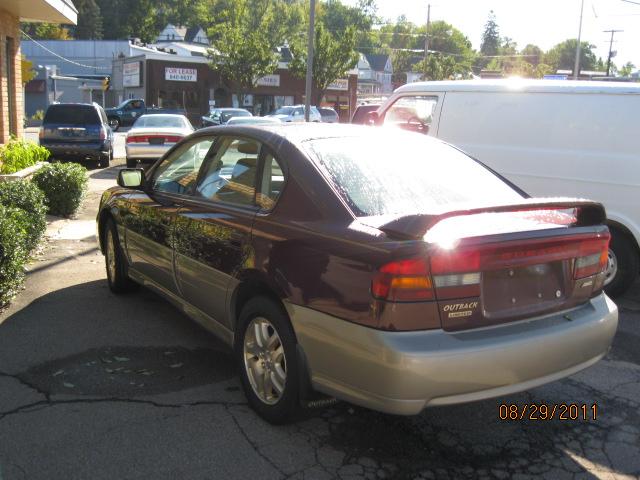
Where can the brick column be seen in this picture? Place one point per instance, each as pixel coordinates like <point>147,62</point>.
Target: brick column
<point>9,28</point>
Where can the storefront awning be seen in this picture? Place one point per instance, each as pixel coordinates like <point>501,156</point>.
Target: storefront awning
<point>51,11</point>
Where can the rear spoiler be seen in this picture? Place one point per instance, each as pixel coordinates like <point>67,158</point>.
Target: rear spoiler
<point>414,226</point>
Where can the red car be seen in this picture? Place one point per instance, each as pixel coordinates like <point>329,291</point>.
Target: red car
<point>376,266</point>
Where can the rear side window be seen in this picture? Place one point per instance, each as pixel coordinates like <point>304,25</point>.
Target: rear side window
<point>72,115</point>
<point>400,172</point>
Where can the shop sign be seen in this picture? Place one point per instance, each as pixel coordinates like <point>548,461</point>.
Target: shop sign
<point>339,84</point>
<point>131,74</point>
<point>269,81</point>
<point>181,74</point>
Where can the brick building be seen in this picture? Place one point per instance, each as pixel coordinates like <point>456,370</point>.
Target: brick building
<point>177,75</point>
<point>12,12</point>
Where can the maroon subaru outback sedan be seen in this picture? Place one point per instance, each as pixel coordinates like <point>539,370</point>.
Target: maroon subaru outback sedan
<point>378,267</point>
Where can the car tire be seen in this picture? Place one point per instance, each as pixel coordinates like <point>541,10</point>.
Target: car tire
<point>624,264</point>
<point>114,123</point>
<point>265,348</point>
<point>115,262</point>
<point>105,160</point>
<point>132,162</point>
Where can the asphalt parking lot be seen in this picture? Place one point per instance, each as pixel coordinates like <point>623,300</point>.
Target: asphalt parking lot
<point>94,385</point>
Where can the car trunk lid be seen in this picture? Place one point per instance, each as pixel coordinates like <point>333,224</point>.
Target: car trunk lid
<point>492,265</point>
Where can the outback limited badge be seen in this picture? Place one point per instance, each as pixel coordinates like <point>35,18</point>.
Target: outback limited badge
<point>462,309</point>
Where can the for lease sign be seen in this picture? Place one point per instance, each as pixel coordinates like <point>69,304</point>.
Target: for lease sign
<point>181,74</point>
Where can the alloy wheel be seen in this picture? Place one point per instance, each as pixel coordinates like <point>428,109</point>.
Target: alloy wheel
<point>612,267</point>
<point>111,256</point>
<point>265,361</point>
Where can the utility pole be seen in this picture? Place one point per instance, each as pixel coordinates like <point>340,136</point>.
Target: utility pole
<point>576,65</point>
<point>426,36</point>
<point>307,89</point>
<point>610,47</point>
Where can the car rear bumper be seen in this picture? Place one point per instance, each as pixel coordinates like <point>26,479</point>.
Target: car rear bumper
<point>77,150</point>
<point>146,151</point>
<point>404,372</point>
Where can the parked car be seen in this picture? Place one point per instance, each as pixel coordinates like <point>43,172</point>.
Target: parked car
<point>220,116</point>
<point>295,114</point>
<point>549,137</point>
<point>153,135</point>
<point>129,111</point>
<point>78,132</point>
<point>252,121</point>
<point>361,114</point>
<point>376,266</point>
<point>329,115</point>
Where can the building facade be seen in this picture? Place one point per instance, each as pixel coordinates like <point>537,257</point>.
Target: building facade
<point>12,12</point>
<point>177,75</point>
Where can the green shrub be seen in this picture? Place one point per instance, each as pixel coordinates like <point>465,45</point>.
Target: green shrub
<point>39,115</point>
<point>19,154</point>
<point>13,253</point>
<point>26,196</point>
<point>64,186</point>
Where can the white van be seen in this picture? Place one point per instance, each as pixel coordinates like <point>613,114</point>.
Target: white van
<point>551,138</point>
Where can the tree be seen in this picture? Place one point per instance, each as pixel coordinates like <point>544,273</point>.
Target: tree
<point>532,54</point>
<point>451,54</point>
<point>627,69</point>
<point>563,56</point>
<point>46,31</point>
<point>244,47</point>
<point>89,20</point>
<point>333,56</point>
<point>490,36</point>
<point>28,73</point>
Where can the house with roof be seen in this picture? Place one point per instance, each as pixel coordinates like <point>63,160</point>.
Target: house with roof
<point>194,34</point>
<point>374,74</point>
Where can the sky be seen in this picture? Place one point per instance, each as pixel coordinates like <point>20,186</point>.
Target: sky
<point>541,22</point>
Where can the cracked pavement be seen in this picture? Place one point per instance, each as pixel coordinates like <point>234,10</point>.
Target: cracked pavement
<point>94,385</point>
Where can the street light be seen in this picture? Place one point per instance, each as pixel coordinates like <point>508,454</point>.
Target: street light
<point>576,65</point>
<point>307,89</point>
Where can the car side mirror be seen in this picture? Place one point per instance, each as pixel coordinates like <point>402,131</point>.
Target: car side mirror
<point>131,178</point>
<point>372,119</point>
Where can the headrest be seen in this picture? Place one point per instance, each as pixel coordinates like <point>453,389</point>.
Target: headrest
<point>248,148</point>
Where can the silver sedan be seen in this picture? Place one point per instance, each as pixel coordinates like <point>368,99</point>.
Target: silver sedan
<point>152,135</point>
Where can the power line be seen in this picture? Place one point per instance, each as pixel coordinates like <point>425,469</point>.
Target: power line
<point>60,56</point>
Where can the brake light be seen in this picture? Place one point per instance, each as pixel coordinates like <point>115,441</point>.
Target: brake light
<point>593,258</point>
<point>403,281</point>
<point>137,139</point>
<point>103,134</point>
<point>172,139</point>
<point>41,133</point>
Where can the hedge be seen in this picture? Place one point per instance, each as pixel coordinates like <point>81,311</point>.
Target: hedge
<point>19,154</point>
<point>13,252</point>
<point>64,186</point>
<point>26,196</point>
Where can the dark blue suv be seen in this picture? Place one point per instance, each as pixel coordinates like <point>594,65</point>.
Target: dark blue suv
<point>79,132</point>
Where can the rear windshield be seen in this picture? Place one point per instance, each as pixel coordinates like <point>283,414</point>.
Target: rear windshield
<point>72,115</point>
<point>360,115</point>
<point>392,173</point>
<point>168,121</point>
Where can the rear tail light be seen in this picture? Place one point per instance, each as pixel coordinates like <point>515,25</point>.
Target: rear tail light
<point>103,134</point>
<point>41,133</point>
<point>456,273</point>
<point>146,138</point>
<point>403,281</point>
<point>593,258</point>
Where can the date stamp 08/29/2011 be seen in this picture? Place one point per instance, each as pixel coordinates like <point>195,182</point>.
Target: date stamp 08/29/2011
<point>543,411</point>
